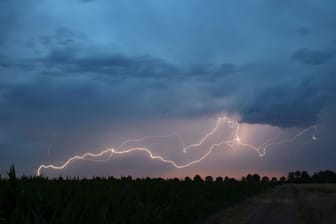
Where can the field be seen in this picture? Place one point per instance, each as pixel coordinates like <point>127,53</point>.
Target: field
<point>124,200</point>
<point>288,203</point>
<point>317,203</point>
<point>299,199</point>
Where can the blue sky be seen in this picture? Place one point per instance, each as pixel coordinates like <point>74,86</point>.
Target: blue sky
<point>81,76</point>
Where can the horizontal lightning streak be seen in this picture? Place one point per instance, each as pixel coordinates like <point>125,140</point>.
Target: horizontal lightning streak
<point>231,123</point>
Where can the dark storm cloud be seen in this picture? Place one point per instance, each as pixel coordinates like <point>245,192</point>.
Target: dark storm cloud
<point>295,103</point>
<point>227,68</point>
<point>12,11</point>
<point>313,57</point>
<point>86,1</point>
<point>145,87</point>
<point>7,18</point>
<point>210,72</point>
<point>44,102</point>
<point>72,67</point>
<point>304,31</point>
<point>151,87</point>
<point>286,107</point>
<point>114,65</point>
<point>61,38</point>
<point>4,62</point>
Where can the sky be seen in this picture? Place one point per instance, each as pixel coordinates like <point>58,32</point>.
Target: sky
<point>81,76</point>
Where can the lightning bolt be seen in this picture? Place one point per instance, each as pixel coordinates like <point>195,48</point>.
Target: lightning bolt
<point>261,150</point>
<point>292,139</point>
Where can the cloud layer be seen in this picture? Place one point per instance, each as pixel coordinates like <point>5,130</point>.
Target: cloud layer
<point>66,65</point>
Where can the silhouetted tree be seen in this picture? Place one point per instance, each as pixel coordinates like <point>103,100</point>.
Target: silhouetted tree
<point>187,179</point>
<point>11,173</point>
<point>297,174</point>
<point>253,178</point>
<point>209,179</point>
<point>128,178</point>
<point>232,180</point>
<point>326,176</point>
<point>219,179</point>
<point>256,177</point>
<point>305,177</point>
<point>265,179</point>
<point>282,179</point>
<point>274,179</point>
<point>249,178</point>
<point>226,179</point>
<point>176,180</point>
<point>111,178</point>
<point>13,188</point>
<point>291,177</point>
<point>198,178</point>
<point>12,177</point>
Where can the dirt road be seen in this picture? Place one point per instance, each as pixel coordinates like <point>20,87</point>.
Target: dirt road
<point>275,206</point>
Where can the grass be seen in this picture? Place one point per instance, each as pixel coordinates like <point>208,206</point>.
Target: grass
<point>317,203</point>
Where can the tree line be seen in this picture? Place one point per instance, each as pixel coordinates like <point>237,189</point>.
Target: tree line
<point>327,176</point>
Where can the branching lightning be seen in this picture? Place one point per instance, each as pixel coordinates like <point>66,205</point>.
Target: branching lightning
<point>236,140</point>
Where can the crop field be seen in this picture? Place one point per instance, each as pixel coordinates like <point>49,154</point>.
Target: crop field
<point>123,200</point>
<point>299,198</point>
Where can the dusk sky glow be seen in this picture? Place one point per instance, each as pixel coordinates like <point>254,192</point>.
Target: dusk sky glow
<point>81,76</point>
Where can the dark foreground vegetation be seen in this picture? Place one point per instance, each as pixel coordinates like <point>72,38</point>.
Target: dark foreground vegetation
<point>299,177</point>
<point>122,200</point>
